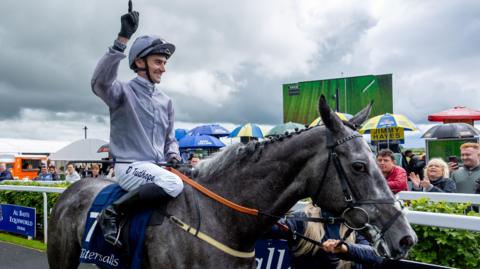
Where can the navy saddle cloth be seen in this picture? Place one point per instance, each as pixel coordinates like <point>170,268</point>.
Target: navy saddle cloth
<point>95,250</point>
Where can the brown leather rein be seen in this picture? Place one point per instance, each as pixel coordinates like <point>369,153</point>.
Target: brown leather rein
<point>214,196</point>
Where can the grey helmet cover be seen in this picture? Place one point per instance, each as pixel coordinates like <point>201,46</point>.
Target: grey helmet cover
<point>147,45</point>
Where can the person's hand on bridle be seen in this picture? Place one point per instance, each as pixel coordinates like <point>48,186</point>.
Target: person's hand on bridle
<point>334,246</point>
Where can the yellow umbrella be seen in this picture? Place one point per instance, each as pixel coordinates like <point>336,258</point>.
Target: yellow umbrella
<point>388,121</point>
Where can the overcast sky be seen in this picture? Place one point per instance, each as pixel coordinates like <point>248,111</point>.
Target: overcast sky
<point>232,57</point>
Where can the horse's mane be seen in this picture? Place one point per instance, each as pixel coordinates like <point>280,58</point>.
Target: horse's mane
<point>252,151</point>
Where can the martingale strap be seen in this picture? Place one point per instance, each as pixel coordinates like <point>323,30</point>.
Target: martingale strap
<point>210,240</point>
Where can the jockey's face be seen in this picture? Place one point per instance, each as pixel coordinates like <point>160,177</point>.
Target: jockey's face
<point>156,67</point>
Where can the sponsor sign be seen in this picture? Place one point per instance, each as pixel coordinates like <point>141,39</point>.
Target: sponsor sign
<point>18,219</point>
<point>272,254</point>
<point>387,134</point>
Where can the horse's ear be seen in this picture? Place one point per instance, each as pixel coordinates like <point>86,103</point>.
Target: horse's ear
<point>361,116</point>
<point>329,118</point>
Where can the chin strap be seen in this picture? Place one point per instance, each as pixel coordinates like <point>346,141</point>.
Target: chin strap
<point>146,69</point>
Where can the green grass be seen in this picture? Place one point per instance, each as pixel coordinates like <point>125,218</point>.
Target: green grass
<point>23,242</point>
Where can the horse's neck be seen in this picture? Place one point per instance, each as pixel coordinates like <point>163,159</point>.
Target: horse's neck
<point>268,180</point>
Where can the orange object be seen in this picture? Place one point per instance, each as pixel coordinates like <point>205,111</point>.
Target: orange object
<point>214,196</point>
<point>26,166</point>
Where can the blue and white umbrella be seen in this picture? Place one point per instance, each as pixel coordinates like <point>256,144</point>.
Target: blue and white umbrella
<point>209,129</point>
<point>200,141</point>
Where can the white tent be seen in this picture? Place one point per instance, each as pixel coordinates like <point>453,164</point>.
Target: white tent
<point>81,150</point>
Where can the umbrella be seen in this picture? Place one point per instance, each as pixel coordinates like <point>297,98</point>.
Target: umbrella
<point>451,130</point>
<point>248,130</point>
<point>200,141</point>
<point>179,133</point>
<point>285,127</point>
<point>388,121</point>
<point>104,148</point>
<point>209,129</point>
<point>455,114</point>
<point>342,116</point>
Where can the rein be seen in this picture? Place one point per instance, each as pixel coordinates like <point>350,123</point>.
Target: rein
<point>214,196</point>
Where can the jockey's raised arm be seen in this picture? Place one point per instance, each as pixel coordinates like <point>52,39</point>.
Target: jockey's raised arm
<point>141,124</point>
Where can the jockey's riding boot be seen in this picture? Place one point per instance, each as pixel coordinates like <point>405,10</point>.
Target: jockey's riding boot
<point>112,216</point>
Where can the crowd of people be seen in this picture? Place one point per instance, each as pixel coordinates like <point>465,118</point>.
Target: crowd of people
<point>434,176</point>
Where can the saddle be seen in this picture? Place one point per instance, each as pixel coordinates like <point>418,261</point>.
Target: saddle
<point>95,250</point>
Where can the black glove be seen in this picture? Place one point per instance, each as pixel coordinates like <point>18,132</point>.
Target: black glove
<point>129,24</point>
<point>173,162</point>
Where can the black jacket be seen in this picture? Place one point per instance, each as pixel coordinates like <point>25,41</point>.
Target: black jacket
<point>442,185</point>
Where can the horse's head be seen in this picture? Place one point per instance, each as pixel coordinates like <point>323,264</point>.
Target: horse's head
<point>353,185</point>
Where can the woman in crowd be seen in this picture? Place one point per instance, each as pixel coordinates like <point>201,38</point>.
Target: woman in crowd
<point>355,252</point>
<point>436,178</point>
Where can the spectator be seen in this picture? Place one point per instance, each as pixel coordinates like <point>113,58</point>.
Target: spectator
<point>71,175</point>
<point>111,174</point>
<point>467,176</point>
<point>436,178</point>
<point>356,251</point>
<point>96,171</point>
<point>4,173</point>
<point>194,161</point>
<point>53,172</point>
<point>395,175</point>
<point>44,175</point>
<point>414,164</point>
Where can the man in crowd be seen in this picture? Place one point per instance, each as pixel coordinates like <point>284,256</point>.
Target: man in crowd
<point>44,175</point>
<point>53,171</point>
<point>4,173</point>
<point>467,176</point>
<point>413,163</point>
<point>396,176</point>
<point>96,171</point>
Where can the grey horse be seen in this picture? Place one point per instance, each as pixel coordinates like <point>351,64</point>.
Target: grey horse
<point>270,176</point>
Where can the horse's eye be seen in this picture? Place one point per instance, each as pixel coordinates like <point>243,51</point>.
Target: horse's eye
<point>359,167</point>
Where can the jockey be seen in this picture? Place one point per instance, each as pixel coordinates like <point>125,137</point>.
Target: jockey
<point>141,125</point>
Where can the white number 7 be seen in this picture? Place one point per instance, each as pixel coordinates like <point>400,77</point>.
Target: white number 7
<point>92,228</point>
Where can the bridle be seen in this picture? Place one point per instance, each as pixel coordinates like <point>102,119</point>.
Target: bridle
<point>352,203</point>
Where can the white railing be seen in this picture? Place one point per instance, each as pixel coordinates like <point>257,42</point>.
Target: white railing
<point>443,220</point>
<point>440,196</point>
<point>439,219</point>
<point>44,191</point>
<point>415,217</point>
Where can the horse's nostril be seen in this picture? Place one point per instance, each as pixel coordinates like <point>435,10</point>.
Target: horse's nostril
<point>406,242</point>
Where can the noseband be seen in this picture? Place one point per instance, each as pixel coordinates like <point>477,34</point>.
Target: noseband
<point>352,203</point>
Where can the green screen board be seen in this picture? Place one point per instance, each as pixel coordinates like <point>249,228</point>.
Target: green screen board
<point>300,100</point>
<point>443,148</point>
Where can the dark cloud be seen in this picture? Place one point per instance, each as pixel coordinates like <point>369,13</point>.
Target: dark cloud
<point>232,58</point>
